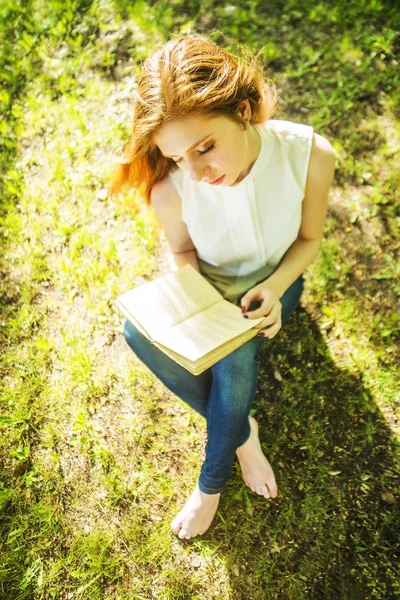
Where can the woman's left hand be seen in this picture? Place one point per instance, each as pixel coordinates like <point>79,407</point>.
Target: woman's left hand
<point>270,308</point>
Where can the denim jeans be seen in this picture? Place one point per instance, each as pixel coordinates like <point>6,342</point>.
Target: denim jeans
<point>223,394</point>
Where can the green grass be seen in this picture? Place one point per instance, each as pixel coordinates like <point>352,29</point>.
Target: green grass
<point>97,456</point>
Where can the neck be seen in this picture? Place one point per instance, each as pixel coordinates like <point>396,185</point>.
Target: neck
<point>253,147</point>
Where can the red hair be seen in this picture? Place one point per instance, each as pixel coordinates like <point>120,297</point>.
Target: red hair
<point>189,74</point>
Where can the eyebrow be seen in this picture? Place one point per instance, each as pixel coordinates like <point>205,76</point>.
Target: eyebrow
<point>194,145</point>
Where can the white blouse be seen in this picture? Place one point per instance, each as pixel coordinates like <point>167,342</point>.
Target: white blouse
<point>241,229</point>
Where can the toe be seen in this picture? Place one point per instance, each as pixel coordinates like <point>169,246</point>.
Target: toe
<point>175,526</point>
<point>263,491</point>
<point>273,489</point>
<point>183,534</point>
<point>266,493</point>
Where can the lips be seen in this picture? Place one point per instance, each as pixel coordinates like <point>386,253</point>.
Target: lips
<point>218,181</point>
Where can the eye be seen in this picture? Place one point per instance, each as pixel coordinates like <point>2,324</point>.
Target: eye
<point>201,152</point>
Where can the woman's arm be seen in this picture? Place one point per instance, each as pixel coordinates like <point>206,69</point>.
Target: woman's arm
<point>167,206</point>
<point>183,258</point>
<point>304,249</point>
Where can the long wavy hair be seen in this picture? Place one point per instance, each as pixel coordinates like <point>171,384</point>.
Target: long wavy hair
<point>189,74</point>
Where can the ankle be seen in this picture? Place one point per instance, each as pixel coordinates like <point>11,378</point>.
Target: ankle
<point>205,495</point>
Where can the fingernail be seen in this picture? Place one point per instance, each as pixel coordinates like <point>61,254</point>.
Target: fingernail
<point>243,309</point>
<point>246,316</point>
<point>260,335</point>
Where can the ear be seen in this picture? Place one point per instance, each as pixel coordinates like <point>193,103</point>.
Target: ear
<point>245,110</point>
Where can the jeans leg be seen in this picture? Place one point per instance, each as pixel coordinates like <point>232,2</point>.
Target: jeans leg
<point>232,394</point>
<point>234,383</point>
<point>291,298</point>
<point>192,389</point>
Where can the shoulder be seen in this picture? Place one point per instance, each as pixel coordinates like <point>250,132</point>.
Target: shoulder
<point>288,130</point>
<point>290,142</point>
<point>321,147</point>
<point>162,191</point>
<point>303,138</point>
<point>165,201</point>
<point>164,198</point>
<point>322,158</point>
<point>167,206</point>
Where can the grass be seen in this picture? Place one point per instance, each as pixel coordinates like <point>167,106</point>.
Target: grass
<point>96,455</point>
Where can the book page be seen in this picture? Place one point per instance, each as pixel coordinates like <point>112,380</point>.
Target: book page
<point>169,300</point>
<point>204,332</point>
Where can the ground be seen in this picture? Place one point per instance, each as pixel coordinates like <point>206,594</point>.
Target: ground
<point>97,456</point>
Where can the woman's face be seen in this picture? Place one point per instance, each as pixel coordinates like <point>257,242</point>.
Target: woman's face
<point>212,149</point>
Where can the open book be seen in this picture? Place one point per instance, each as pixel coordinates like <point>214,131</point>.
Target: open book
<point>185,317</point>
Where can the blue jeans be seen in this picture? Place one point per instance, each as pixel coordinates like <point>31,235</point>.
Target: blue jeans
<point>223,394</point>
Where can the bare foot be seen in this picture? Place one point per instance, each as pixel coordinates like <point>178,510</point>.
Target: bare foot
<point>196,516</point>
<point>257,472</point>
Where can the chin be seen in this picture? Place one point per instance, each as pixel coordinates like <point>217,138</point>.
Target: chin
<point>237,180</point>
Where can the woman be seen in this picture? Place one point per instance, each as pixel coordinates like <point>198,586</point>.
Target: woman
<point>242,198</point>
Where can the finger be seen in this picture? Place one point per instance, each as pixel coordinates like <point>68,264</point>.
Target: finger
<point>251,296</point>
<point>273,316</point>
<point>273,330</point>
<point>265,308</point>
<point>263,324</point>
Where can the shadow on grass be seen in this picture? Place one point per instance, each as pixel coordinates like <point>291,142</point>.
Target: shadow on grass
<point>332,531</point>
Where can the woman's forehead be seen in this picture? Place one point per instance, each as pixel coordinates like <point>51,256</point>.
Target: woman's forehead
<point>180,135</point>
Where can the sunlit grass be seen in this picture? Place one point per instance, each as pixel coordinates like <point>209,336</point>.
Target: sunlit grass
<point>97,456</point>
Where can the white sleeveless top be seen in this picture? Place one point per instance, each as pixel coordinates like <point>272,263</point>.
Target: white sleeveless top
<point>247,228</point>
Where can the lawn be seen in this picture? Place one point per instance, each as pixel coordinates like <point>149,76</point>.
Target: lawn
<point>96,455</point>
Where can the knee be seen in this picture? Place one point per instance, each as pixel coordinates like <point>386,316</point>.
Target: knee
<point>131,334</point>
<point>237,372</point>
<point>242,360</point>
